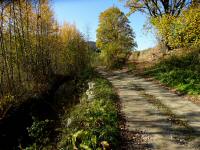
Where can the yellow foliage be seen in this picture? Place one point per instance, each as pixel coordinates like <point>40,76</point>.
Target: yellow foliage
<point>33,47</point>
<point>73,53</point>
<point>183,31</point>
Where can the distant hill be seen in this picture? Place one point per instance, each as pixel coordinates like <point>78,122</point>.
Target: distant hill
<point>93,46</point>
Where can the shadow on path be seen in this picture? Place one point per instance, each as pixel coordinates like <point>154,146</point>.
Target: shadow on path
<point>140,99</point>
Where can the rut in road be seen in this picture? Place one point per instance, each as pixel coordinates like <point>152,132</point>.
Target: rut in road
<point>161,119</point>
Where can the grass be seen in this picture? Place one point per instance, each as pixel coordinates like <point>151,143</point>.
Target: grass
<point>92,124</point>
<point>180,72</point>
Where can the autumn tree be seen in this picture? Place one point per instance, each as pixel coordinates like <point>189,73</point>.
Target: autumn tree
<point>162,15</point>
<point>182,31</point>
<point>115,37</point>
<point>72,56</point>
<point>35,50</point>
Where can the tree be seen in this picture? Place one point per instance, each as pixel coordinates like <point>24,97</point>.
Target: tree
<point>35,50</point>
<point>157,8</point>
<point>182,31</point>
<point>163,10</point>
<point>73,54</point>
<point>115,37</point>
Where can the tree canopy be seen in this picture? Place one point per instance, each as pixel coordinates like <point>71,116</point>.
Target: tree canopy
<point>114,35</point>
<point>34,48</point>
<point>182,31</point>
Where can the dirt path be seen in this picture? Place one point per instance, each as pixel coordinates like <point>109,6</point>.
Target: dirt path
<point>165,120</point>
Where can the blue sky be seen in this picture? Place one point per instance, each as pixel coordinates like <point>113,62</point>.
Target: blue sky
<point>85,13</point>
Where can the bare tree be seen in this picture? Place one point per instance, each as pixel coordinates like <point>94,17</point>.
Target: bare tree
<point>157,8</point>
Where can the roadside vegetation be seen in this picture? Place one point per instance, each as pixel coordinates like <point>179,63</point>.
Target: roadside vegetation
<point>92,124</point>
<point>37,58</point>
<point>44,71</point>
<point>180,72</point>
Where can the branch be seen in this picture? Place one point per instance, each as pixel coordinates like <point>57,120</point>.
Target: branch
<point>156,4</point>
